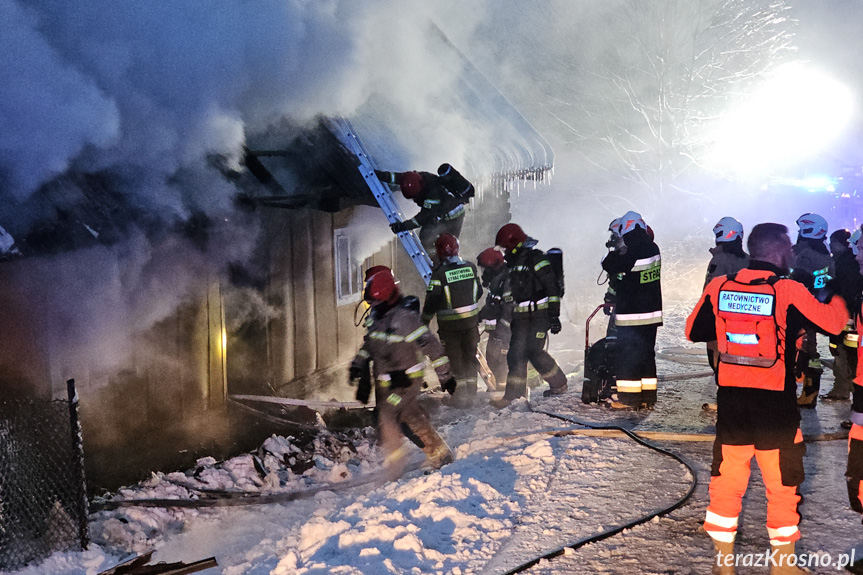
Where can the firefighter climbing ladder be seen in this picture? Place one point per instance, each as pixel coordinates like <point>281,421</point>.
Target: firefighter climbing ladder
<point>344,131</point>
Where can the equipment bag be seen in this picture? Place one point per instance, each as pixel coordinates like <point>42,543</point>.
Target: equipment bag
<point>555,256</point>
<point>599,377</point>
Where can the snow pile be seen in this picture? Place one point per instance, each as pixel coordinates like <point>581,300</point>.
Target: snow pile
<point>7,242</point>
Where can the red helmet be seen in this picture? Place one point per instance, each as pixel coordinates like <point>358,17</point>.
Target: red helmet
<point>381,286</point>
<point>411,184</point>
<point>510,236</point>
<point>490,258</point>
<point>375,269</point>
<point>446,246</point>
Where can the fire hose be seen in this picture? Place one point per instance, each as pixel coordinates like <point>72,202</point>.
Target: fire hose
<point>615,530</point>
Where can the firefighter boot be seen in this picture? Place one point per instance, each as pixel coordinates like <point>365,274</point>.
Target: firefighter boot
<point>809,395</point>
<point>781,564</point>
<point>723,560</point>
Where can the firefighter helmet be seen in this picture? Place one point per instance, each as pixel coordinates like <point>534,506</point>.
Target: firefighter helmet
<point>727,230</point>
<point>510,237</point>
<point>490,258</point>
<point>613,226</point>
<point>411,185</point>
<point>373,270</point>
<point>855,237</point>
<point>628,222</point>
<point>381,286</point>
<point>446,246</point>
<point>812,226</point>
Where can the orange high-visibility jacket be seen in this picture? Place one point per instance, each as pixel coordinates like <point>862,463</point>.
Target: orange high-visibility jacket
<point>749,314</point>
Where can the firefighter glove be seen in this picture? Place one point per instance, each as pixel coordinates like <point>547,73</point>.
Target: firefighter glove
<point>554,325</point>
<point>364,390</point>
<point>397,227</point>
<point>384,176</point>
<point>449,385</point>
<point>825,294</point>
<point>355,373</point>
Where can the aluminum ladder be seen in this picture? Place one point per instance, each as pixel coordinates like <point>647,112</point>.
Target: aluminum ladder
<point>344,132</point>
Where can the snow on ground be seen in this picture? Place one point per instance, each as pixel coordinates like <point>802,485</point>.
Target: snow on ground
<point>515,491</point>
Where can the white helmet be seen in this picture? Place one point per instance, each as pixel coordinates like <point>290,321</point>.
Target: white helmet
<point>855,237</point>
<point>628,222</point>
<point>812,226</point>
<point>727,230</point>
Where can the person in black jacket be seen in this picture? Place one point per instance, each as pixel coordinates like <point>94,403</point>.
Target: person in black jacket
<point>813,268</point>
<point>496,314</point>
<point>536,311</point>
<point>843,347</point>
<point>637,314</point>
<point>453,297</point>
<point>441,198</point>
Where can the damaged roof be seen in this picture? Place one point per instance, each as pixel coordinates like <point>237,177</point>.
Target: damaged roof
<point>483,135</point>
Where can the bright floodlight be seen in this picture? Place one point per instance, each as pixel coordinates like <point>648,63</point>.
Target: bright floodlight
<point>795,114</point>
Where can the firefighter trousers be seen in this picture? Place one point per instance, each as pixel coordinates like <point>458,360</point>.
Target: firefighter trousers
<point>460,347</point>
<point>527,344</point>
<point>635,364</point>
<point>400,415</point>
<point>496,349</point>
<point>844,367</point>
<point>782,471</point>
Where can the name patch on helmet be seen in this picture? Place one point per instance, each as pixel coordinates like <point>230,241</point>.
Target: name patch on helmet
<point>459,274</point>
<point>743,302</point>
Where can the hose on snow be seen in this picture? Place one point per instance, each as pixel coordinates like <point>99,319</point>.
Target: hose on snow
<point>614,531</point>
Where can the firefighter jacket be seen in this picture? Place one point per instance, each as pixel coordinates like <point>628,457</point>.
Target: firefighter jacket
<point>754,316</point>
<point>496,314</point>
<point>634,272</point>
<point>726,260</point>
<point>812,265</point>
<point>854,471</point>
<point>396,342</point>
<point>849,281</point>
<point>453,295</point>
<point>436,202</point>
<point>533,282</point>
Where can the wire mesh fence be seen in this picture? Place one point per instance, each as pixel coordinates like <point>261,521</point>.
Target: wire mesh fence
<point>43,503</point>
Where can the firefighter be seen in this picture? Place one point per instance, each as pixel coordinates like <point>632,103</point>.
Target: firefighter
<point>496,314</point>
<point>813,268</point>
<point>728,257</point>
<point>453,296</point>
<point>637,313</point>
<point>849,284</point>
<point>614,243</point>
<point>754,316</point>
<point>854,470</point>
<point>536,311</point>
<point>392,360</point>
<point>441,198</point>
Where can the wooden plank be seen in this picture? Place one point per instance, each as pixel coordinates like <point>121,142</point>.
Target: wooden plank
<point>281,336</point>
<point>326,316</point>
<point>303,285</point>
<point>217,380</point>
<point>310,403</point>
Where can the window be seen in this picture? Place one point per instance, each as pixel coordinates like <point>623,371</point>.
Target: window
<point>349,274</point>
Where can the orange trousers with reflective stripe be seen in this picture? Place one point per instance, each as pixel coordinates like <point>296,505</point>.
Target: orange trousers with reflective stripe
<point>727,490</point>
